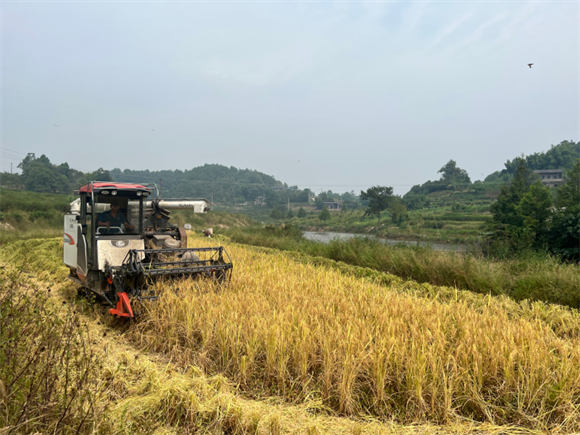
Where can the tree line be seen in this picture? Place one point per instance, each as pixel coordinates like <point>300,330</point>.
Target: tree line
<point>528,216</point>
<point>40,175</point>
<point>221,184</point>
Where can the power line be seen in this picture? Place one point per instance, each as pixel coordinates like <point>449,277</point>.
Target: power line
<point>12,151</point>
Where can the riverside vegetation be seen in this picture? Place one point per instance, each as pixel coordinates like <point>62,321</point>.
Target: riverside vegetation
<point>437,224</point>
<point>328,341</point>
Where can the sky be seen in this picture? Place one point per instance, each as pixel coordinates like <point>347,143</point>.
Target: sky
<point>338,95</point>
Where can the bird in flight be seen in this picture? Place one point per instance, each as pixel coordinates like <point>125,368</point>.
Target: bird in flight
<point>55,125</point>
<point>530,64</point>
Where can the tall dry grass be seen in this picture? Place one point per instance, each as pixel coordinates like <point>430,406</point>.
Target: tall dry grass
<point>303,332</point>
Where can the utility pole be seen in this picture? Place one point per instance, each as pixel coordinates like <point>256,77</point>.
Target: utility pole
<point>288,203</point>
<point>10,167</point>
<point>160,189</point>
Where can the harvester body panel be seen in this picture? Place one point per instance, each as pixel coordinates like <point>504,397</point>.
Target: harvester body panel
<point>112,252</point>
<point>70,240</point>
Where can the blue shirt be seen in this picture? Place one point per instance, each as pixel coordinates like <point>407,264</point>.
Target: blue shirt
<point>114,221</point>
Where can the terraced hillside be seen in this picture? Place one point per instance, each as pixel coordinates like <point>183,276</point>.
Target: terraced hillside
<point>294,344</point>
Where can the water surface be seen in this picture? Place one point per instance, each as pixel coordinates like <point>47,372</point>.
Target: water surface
<point>327,236</point>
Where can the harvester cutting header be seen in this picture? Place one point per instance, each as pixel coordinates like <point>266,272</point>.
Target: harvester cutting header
<point>118,241</point>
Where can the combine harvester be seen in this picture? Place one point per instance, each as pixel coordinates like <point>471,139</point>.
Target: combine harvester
<point>117,243</point>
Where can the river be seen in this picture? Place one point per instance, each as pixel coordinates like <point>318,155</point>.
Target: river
<point>327,236</point>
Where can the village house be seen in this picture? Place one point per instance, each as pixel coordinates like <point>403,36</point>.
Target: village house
<point>550,177</point>
<point>333,205</point>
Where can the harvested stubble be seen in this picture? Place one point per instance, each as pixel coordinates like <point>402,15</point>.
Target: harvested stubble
<point>299,331</point>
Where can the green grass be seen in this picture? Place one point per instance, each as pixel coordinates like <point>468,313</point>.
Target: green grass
<point>30,215</point>
<point>536,277</point>
<point>21,200</point>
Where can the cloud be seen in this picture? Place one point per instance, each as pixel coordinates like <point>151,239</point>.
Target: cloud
<point>447,30</point>
<point>478,34</point>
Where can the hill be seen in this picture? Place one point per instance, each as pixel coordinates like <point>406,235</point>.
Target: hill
<point>455,188</point>
<point>212,181</point>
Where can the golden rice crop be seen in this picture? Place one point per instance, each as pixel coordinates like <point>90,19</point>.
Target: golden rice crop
<point>304,332</point>
<point>146,393</point>
<point>141,392</point>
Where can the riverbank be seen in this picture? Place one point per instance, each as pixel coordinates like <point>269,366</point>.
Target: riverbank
<point>535,277</point>
<point>433,225</point>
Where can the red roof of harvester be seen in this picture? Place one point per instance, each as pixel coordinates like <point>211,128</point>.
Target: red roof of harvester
<point>111,185</point>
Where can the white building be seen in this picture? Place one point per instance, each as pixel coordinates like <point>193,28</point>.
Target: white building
<point>551,177</point>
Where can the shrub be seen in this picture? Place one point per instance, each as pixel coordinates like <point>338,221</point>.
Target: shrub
<point>39,214</point>
<point>14,217</point>
<point>46,366</point>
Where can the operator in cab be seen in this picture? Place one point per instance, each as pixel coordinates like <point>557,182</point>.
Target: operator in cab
<point>114,217</point>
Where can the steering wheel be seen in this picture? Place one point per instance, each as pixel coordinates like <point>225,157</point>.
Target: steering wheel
<point>110,230</point>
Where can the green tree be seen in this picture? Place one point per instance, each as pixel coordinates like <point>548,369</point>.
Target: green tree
<point>276,214</point>
<point>324,214</point>
<point>521,215</point>
<point>569,193</point>
<point>535,208</point>
<point>379,198</point>
<point>11,181</point>
<point>416,202</point>
<point>565,231</point>
<point>301,213</point>
<point>39,175</point>
<point>289,215</point>
<point>504,209</point>
<point>98,175</point>
<point>398,210</point>
<point>452,175</point>
<point>272,198</point>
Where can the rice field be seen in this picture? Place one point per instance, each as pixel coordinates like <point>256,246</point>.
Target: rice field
<point>296,344</point>
<point>303,332</point>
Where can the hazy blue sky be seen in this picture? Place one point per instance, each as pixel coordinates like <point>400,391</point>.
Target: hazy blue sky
<point>328,95</point>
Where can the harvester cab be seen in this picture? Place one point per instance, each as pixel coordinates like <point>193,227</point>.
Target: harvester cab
<point>118,242</point>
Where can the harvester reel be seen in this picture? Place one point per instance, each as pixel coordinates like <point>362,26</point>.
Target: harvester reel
<point>142,269</point>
